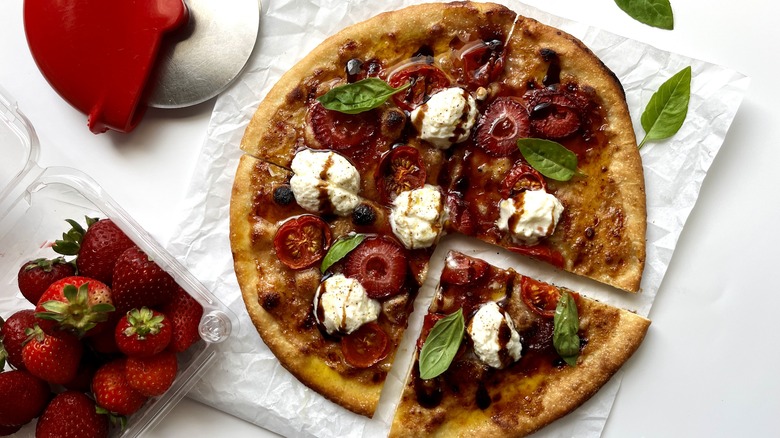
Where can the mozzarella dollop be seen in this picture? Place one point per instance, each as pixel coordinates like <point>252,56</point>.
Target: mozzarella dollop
<point>529,216</point>
<point>342,306</point>
<point>486,329</point>
<point>417,216</point>
<point>324,182</point>
<point>446,118</point>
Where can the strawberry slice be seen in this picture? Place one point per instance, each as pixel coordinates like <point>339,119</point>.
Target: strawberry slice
<point>379,264</point>
<point>554,114</point>
<point>460,269</point>
<point>340,131</point>
<point>504,121</point>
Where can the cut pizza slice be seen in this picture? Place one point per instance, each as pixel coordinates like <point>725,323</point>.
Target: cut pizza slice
<point>522,353</point>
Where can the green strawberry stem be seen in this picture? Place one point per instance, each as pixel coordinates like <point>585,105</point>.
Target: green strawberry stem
<point>75,313</point>
<point>143,322</point>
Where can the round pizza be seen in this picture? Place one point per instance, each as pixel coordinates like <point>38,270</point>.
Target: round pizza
<point>447,118</point>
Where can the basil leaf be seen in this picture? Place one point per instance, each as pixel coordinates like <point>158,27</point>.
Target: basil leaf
<point>441,345</point>
<point>656,13</point>
<point>667,109</point>
<point>340,249</point>
<point>566,324</point>
<point>551,159</point>
<point>360,96</point>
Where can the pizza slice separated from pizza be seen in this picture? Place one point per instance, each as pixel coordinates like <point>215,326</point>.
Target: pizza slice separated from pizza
<point>503,355</point>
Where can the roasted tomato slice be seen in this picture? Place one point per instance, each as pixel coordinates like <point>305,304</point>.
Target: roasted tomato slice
<point>426,80</point>
<point>504,121</point>
<point>540,297</point>
<point>379,264</point>
<point>482,62</point>
<point>401,169</point>
<point>365,346</point>
<point>460,269</point>
<point>542,253</point>
<point>553,114</point>
<point>302,241</point>
<point>520,178</point>
<point>340,131</point>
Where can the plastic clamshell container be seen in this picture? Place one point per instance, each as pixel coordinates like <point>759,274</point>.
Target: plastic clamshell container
<point>34,203</point>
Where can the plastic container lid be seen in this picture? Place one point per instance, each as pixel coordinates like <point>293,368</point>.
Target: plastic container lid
<point>33,207</point>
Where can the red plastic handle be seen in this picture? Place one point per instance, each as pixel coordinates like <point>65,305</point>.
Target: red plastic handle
<point>99,54</point>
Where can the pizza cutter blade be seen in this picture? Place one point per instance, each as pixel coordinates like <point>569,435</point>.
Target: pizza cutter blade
<point>112,59</point>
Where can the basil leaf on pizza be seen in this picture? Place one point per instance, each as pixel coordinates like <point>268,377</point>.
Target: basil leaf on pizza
<point>441,345</point>
<point>668,107</point>
<point>656,13</point>
<point>340,249</point>
<point>360,96</point>
<point>549,158</point>
<point>566,324</point>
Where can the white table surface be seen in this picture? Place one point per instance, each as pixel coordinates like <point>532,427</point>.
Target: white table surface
<point>707,366</point>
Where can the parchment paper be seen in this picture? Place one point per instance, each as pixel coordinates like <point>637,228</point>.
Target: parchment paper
<point>249,383</point>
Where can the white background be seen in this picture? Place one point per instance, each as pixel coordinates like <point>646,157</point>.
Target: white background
<point>707,366</point>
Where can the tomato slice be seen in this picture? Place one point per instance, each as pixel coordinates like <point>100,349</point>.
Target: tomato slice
<point>365,346</point>
<point>520,178</point>
<point>504,121</point>
<point>460,269</point>
<point>540,297</point>
<point>302,241</point>
<point>482,61</point>
<point>539,252</point>
<point>426,80</point>
<point>401,169</point>
<point>339,131</point>
<point>379,264</point>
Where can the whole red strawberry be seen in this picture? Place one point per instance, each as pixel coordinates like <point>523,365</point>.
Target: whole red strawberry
<point>23,397</point>
<point>9,430</point>
<point>52,357</point>
<point>112,392</point>
<point>13,333</point>
<point>71,415</point>
<point>79,304</point>
<point>143,332</point>
<point>140,282</point>
<point>97,248</point>
<point>185,313</point>
<point>152,376</point>
<point>36,275</point>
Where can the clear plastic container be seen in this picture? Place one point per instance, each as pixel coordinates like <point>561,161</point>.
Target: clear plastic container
<point>34,203</point>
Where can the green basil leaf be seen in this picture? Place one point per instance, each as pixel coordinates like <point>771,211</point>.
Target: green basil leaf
<point>441,345</point>
<point>360,96</point>
<point>551,159</point>
<point>668,107</point>
<point>566,324</point>
<point>656,13</point>
<point>340,249</point>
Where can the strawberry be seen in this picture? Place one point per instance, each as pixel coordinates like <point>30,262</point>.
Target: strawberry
<point>9,430</point>
<point>23,397</point>
<point>143,332</point>
<point>112,392</point>
<point>139,282</point>
<point>71,415</point>
<point>78,304</point>
<point>52,357</point>
<point>152,376</point>
<point>185,313</point>
<point>97,248</point>
<point>35,276</point>
<point>13,333</point>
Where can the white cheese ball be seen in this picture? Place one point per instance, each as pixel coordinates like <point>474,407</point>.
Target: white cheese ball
<point>446,118</point>
<point>342,306</point>
<point>417,216</point>
<point>485,328</point>
<point>529,216</point>
<point>325,182</point>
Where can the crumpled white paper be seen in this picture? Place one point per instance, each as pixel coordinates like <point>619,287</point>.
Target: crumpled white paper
<point>248,381</point>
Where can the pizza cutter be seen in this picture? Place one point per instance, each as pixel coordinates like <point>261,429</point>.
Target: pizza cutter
<point>113,59</point>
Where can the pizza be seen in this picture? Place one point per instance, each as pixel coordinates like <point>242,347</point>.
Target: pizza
<point>510,373</point>
<point>447,118</point>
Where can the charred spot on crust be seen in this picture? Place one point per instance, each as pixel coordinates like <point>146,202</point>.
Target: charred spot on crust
<point>548,54</point>
<point>348,46</point>
<point>270,300</point>
<point>424,50</point>
<point>296,95</point>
